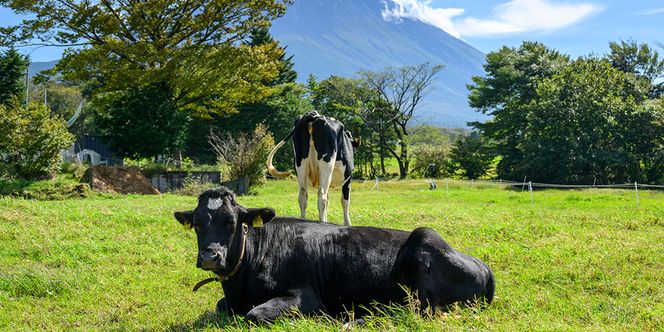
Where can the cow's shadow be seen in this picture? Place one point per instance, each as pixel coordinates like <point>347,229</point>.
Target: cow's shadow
<point>207,320</point>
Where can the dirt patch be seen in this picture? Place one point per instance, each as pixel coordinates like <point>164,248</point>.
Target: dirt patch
<point>119,180</point>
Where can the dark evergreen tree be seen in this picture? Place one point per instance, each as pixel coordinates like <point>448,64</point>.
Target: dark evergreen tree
<point>13,71</point>
<point>141,122</point>
<point>261,36</point>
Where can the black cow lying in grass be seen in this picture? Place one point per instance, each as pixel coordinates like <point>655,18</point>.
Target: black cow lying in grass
<point>269,266</point>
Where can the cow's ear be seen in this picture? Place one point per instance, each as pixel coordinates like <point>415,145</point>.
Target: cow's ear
<point>257,217</point>
<point>186,218</point>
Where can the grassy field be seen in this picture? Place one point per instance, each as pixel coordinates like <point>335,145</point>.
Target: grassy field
<point>578,260</point>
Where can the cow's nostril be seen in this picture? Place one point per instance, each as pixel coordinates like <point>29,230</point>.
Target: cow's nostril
<point>208,260</point>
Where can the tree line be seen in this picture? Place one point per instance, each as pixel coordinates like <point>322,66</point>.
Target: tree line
<point>595,119</point>
<point>161,77</point>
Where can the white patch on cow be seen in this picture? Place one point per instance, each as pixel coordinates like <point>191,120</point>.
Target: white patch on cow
<point>214,203</point>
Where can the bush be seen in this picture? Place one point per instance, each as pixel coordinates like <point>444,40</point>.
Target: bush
<point>435,155</point>
<point>471,157</point>
<point>243,155</point>
<point>62,187</point>
<point>31,141</point>
<point>193,186</point>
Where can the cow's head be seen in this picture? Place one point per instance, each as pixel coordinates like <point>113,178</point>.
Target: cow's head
<point>355,142</point>
<point>221,226</point>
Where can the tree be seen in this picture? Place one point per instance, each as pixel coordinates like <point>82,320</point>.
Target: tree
<point>278,110</point>
<point>507,92</point>
<point>261,36</point>
<point>31,140</point>
<point>399,91</point>
<point>471,156</point>
<point>13,69</point>
<point>189,46</point>
<point>654,162</point>
<point>587,125</point>
<point>642,61</point>
<point>142,122</point>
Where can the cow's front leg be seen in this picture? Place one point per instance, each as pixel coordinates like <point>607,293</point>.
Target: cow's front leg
<point>223,307</point>
<point>267,312</point>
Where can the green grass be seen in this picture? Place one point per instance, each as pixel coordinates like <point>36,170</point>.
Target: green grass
<point>578,260</point>
<point>63,186</point>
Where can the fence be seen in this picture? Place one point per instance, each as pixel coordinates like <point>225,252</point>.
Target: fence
<point>529,185</point>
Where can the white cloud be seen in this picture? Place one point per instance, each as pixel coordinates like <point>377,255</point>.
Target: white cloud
<point>515,16</point>
<point>421,10</point>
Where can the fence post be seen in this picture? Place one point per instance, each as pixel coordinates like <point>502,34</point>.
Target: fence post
<point>500,185</point>
<point>636,189</point>
<point>523,184</point>
<point>375,185</point>
<point>530,188</point>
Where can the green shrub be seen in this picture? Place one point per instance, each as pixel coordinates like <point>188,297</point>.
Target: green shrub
<point>64,186</point>
<point>243,155</point>
<point>193,186</point>
<point>75,170</point>
<point>431,160</point>
<point>31,141</point>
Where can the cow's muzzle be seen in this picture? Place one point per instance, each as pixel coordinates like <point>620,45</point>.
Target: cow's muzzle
<point>210,259</point>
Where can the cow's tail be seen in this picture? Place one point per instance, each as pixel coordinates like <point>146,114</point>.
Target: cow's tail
<point>304,119</point>
<point>270,168</point>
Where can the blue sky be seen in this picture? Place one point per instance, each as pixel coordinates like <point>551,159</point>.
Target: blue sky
<point>575,27</point>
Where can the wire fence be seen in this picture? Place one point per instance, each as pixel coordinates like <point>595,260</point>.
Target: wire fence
<point>526,185</point>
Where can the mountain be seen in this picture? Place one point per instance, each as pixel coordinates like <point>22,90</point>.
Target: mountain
<point>342,37</point>
<point>36,67</point>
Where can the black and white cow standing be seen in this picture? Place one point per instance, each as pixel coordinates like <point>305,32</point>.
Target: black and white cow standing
<point>323,158</point>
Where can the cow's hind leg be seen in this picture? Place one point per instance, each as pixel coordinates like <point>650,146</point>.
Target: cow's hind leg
<point>325,173</point>
<point>303,195</point>
<point>345,200</point>
<point>305,302</point>
<point>441,275</point>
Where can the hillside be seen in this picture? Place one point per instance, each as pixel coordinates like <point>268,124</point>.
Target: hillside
<point>36,67</point>
<point>342,37</point>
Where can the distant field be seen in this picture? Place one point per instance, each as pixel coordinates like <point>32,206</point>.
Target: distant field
<point>578,260</point>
